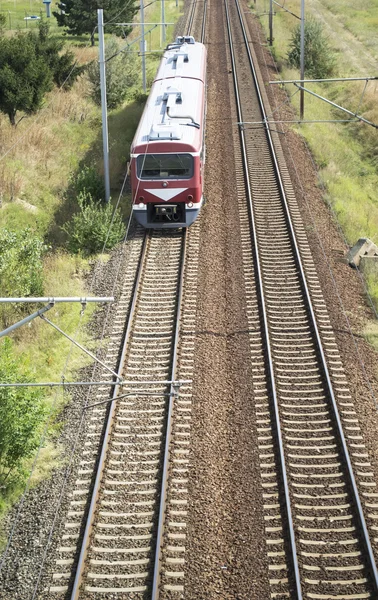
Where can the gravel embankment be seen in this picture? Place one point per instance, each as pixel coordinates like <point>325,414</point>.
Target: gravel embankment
<point>226,555</point>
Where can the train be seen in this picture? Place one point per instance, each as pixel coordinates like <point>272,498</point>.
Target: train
<point>167,154</point>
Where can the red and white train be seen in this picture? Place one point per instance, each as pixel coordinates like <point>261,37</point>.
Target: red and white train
<point>168,150</point>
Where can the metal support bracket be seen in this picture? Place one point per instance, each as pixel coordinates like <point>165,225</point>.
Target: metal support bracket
<point>88,352</point>
<point>51,302</point>
<point>40,313</point>
<point>299,84</point>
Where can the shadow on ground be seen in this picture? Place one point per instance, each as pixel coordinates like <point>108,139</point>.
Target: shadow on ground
<point>122,124</point>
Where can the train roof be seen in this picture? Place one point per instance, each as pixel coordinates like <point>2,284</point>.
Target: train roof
<point>184,58</point>
<point>175,107</point>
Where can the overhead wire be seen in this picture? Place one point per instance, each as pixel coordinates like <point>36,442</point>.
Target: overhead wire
<point>128,4</point>
<point>76,333</point>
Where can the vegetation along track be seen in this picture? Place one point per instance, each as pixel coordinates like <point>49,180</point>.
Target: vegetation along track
<point>317,538</point>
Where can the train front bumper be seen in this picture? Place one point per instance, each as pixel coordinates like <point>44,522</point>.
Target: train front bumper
<point>166,216</point>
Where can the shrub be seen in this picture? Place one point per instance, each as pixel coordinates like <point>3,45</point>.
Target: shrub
<point>140,97</point>
<point>320,61</point>
<point>122,73</point>
<point>3,20</point>
<point>22,411</point>
<point>25,77</point>
<point>21,256</point>
<point>94,227</point>
<point>88,182</point>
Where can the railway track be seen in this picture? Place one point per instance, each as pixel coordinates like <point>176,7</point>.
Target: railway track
<point>125,530</point>
<point>119,543</point>
<point>142,467</point>
<point>317,537</point>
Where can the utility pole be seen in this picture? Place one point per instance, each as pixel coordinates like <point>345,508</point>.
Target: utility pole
<point>301,102</point>
<point>142,46</point>
<point>163,23</point>
<point>105,141</point>
<point>271,22</point>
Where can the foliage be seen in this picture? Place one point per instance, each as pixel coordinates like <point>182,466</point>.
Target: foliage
<point>24,75</point>
<point>320,61</point>
<point>21,263</point>
<point>80,16</point>
<point>63,66</point>
<point>3,20</point>
<point>22,411</point>
<point>122,73</point>
<point>94,227</point>
<point>88,182</point>
<point>29,65</point>
<point>140,97</point>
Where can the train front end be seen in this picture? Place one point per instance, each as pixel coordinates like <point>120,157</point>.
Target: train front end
<point>167,153</point>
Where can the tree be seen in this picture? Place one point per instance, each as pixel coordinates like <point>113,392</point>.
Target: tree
<point>30,64</point>
<point>25,77</point>
<point>320,61</point>
<point>80,16</point>
<point>122,72</point>
<point>63,66</point>
<point>22,411</point>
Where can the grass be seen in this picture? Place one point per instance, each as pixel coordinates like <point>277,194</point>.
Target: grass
<point>347,154</point>
<point>16,11</point>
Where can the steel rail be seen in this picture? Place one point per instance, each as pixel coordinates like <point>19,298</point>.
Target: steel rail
<point>75,593</point>
<point>265,317</point>
<point>366,537</point>
<point>204,23</point>
<point>164,487</point>
<point>191,16</point>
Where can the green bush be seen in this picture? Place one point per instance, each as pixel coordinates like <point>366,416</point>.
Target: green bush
<point>88,182</point>
<point>140,97</point>
<point>3,20</point>
<point>21,255</point>
<point>122,74</point>
<point>22,411</point>
<point>320,61</point>
<point>92,229</point>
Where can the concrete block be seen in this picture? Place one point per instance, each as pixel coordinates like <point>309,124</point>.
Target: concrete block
<point>363,249</point>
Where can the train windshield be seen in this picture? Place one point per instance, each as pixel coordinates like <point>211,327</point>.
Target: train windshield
<point>165,166</point>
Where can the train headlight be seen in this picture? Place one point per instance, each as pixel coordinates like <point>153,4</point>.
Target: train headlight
<point>190,205</point>
<point>190,197</point>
